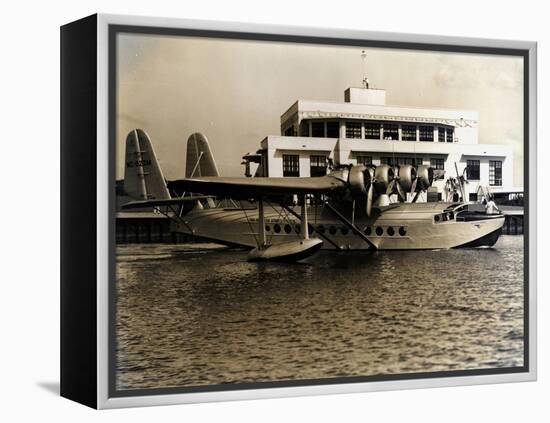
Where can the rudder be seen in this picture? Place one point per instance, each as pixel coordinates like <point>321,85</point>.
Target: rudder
<point>143,178</point>
<point>200,161</point>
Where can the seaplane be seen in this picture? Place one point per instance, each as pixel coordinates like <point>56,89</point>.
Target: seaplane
<point>291,218</point>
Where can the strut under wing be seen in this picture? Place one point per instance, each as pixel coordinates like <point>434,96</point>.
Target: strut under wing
<point>245,188</point>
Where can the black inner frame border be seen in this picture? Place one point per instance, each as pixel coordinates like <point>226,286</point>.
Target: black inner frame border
<point>115,29</point>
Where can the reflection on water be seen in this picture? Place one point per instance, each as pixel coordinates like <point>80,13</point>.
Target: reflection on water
<point>196,315</point>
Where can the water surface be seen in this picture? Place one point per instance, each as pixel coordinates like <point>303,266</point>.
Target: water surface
<point>192,315</point>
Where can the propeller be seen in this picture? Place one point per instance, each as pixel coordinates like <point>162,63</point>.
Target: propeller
<point>423,180</point>
<point>413,186</point>
<point>369,200</point>
<point>461,180</point>
<point>395,186</point>
<point>369,182</point>
<point>361,182</point>
<point>370,190</point>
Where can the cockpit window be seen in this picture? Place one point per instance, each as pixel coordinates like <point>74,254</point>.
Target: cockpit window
<point>463,207</point>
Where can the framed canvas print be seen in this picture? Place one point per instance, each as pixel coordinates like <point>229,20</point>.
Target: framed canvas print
<point>254,211</point>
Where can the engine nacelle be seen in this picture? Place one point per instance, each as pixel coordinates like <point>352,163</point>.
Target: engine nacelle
<point>359,180</point>
<point>407,174</point>
<point>383,175</point>
<point>425,175</point>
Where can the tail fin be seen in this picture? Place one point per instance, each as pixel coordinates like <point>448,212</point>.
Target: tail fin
<point>143,178</point>
<point>200,161</point>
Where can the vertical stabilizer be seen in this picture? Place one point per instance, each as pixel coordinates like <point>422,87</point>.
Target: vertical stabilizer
<point>143,178</point>
<point>200,161</point>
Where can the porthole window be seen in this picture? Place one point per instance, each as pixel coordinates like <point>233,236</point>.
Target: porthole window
<point>288,229</point>
<point>332,230</point>
<point>297,229</point>
<point>267,228</point>
<point>436,218</point>
<point>390,231</point>
<point>277,228</point>
<point>368,230</point>
<point>402,231</point>
<point>379,231</point>
<point>344,230</point>
<point>321,229</point>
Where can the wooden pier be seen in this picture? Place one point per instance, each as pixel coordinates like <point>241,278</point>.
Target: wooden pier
<point>513,223</point>
<point>146,228</point>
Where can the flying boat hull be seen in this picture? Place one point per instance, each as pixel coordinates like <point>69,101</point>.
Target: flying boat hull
<point>406,226</point>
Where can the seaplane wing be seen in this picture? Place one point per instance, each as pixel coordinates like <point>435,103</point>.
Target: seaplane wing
<point>246,188</point>
<point>163,202</point>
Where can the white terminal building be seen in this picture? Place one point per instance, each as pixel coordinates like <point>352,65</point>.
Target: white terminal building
<point>364,130</point>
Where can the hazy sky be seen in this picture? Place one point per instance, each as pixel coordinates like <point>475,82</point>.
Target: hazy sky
<point>235,91</point>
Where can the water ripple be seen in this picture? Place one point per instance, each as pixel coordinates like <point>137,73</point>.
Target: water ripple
<point>196,315</point>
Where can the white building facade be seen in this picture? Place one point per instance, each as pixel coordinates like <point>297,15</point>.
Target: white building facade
<point>365,130</point>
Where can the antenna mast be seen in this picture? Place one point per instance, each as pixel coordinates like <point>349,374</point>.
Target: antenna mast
<point>365,79</point>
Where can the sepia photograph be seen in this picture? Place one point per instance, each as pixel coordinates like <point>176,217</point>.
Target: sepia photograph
<point>309,211</point>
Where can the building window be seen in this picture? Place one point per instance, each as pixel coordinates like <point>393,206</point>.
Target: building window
<point>394,161</point>
<point>290,131</point>
<point>333,129</point>
<point>441,134</point>
<point>495,173</point>
<point>408,132</point>
<point>426,133</point>
<point>450,133</point>
<point>318,129</point>
<point>291,165</point>
<point>391,131</point>
<point>318,165</point>
<point>445,134</point>
<point>372,131</point>
<point>388,161</point>
<point>304,128</point>
<point>472,169</point>
<point>353,129</point>
<point>437,163</point>
<point>364,160</point>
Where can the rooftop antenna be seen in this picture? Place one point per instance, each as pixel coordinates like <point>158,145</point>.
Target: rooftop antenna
<point>365,79</point>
